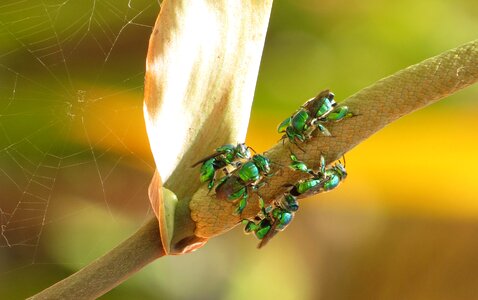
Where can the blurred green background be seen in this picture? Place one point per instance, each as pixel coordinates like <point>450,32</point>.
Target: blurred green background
<point>75,162</point>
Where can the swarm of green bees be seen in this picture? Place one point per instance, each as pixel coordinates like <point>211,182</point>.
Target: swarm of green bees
<point>243,173</point>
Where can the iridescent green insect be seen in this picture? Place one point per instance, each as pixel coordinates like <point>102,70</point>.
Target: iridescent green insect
<point>333,176</point>
<point>271,220</point>
<point>280,219</point>
<point>325,109</point>
<point>339,113</point>
<point>298,165</point>
<point>311,116</point>
<point>297,128</point>
<point>279,214</point>
<point>321,105</point>
<point>225,155</point>
<point>289,202</point>
<point>302,123</point>
<point>260,229</point>
<point>323,180</point>
<point>235,186</point>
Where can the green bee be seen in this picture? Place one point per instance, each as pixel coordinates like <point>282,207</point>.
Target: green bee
<point>339,114</point>
<point>298,165</point>
<point>235,186</point>
<point>289,202</point>
<point>311,116</point>
<point>323,180</point>
<point>299,126</point>
<point>225,155</point>
<point>272,219</point>
<point>279,214</point>
<point>281,219</point>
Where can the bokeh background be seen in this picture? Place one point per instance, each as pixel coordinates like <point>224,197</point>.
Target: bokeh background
<point>75,162</point>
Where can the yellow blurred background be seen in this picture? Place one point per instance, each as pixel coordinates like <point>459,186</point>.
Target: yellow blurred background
<point>75,162</point>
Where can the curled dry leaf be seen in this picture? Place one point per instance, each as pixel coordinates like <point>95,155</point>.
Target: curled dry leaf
<point>164,203</point>
<point>201,71</point>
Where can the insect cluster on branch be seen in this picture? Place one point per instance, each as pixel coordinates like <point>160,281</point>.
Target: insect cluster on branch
<point>241,174</point>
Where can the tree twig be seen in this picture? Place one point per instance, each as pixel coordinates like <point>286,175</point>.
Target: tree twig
<point>375,106</point>
<point>108,271</point>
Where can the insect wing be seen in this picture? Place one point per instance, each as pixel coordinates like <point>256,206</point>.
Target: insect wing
<point>323,94</point>
<point>272,232</point>
<point>283,126</point>
<point>229,188</point>
<point>206,158</point>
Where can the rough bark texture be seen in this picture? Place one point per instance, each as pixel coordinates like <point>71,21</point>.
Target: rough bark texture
<point>375,106</point>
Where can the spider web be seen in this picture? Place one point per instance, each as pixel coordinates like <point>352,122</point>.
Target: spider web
<point>71,78</point>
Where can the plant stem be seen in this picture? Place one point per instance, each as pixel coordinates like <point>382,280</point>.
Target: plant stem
<point>108,271</point>
<point>375,107</point>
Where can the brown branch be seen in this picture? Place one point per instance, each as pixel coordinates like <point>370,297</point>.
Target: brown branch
<point>375,106</point>
<point>108,271</point>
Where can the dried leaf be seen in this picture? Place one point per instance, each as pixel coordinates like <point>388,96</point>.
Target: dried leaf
<point>201,72</point>
<point>164,203</point>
